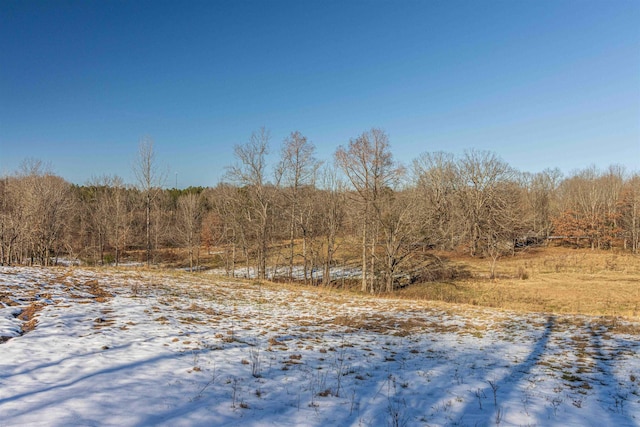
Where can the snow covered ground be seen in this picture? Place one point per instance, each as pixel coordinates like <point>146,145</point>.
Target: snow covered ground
<point>127,348</point>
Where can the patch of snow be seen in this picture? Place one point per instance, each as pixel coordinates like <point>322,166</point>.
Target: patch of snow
<point>174,349</point>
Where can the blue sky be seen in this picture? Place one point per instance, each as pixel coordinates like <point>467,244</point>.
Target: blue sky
<point>541,83</point>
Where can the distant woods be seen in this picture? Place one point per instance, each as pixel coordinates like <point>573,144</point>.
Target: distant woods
<point>310,220</point>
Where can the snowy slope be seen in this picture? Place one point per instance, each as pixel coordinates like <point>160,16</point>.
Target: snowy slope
<point>127,348</point>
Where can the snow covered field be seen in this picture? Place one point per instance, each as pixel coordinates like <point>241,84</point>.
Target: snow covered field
<point>128,348</point>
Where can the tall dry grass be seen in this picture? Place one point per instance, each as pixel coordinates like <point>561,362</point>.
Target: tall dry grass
<point>556,280</point>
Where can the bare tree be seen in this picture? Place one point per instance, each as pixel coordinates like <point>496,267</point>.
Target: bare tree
<point>541,193</point>
<point>48,205</point>
<point>482,177</point>
<point>213,229</point>
<point>368,164</point>
<point>249,174</point>
<point>98,208</point>
<point>591,206</point>
<point>612,181</point>
<point>228,225</point>
<point>189,223</point>
<point>13,223</point>
<point>436,180</point>
<point>332,214</point>
<point>121,216</point>
<point>395,213</point>
<point>309,221</point>
<point>630,213</point>
<point>150,181</point>
<point>163,214</point>
<point>584,201</point>
<point>297,168</point>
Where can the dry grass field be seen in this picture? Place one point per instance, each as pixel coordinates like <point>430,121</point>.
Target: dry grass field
<point>554,279</point>
<point>544,279</point>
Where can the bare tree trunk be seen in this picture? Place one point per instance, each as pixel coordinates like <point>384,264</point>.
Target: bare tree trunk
<point>364,257</point>
<point>233,259</point>
<point>304,256</point>
<point>148,228</point>
<point>292,229</point>
<point>150,181</point>
<point>372,260</point>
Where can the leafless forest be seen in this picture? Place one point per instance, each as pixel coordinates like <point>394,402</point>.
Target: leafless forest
<point>308,220</point>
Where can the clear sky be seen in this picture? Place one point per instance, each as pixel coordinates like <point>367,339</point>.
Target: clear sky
<point>541,83</point>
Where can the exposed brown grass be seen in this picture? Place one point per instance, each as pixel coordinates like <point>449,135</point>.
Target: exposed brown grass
<point>555,280</point>
<point>28,316</point>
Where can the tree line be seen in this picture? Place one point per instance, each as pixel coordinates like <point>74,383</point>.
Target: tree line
<point>308,220</point>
